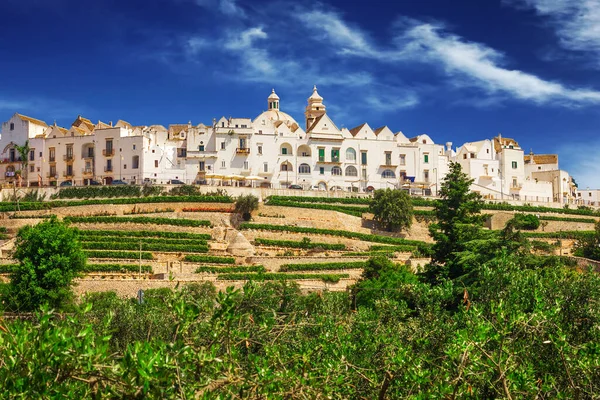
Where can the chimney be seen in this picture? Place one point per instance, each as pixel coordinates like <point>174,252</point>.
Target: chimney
<point>110,123</point>
<point>448,147</point>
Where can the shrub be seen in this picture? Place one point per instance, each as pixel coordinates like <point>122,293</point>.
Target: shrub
<point>322,266</point>
<point>392,209</point>
<point>209,259</point>
<point>218,270</point>
<point>133,255</point>
<point>116,268</point>
<point>145,234</point>
<point>525,221</point>
<point>139,220</point>
<point>303,244</point>
<point>161,247</point>
<point>245,205</point>
<point>333,278</point>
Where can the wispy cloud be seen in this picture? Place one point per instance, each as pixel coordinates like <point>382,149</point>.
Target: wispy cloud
<point>585,169</point>
<point>56,108</point>
<point>227,7</point>
<point>577,22</point>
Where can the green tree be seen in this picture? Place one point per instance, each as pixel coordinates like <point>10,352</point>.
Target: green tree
<point>49,256</point>
<point>24,154</point>
<point>589,247</point>
<point>245,205</point>
<point>392,209</point>
<point>458,222</point>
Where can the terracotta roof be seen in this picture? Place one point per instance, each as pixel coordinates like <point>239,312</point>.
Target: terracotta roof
<point>542,158</point>
<point>315,123</point>
<point>177,128</point>
<point>63,130</point>
<point>80,121</point>
<point>413,139</point>
<point>506,142</point>
<point>354,131</point>
<point>102,125</point>
<point>378,130</point>
<point>32,120</point>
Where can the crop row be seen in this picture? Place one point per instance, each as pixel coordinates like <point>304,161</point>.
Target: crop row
<point>208,209</point>
<point>165,247</point>
<point>350,210</point>
<point>117,268</point>
<point>130,255</point>
<point>560,235</point>
<point>87,192</point>
<point>566,219</point>
<point>332,278</point>
<point>226,270</point>
<point>302,244</point>
<point>380,253</point>
<point>145,234</point>
<point>209,259</point>
<point>333,232</point>
<point>45,205</point>
<point>139,220</point>
<point>322,266</point>
<point>126,239</point>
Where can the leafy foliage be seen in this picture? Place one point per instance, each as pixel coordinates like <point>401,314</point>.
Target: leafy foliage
<point>129,255</point>
<point>322,266</point>
<point>139,220</point>
<point>305,243</point>
<point>50,257</point>
<point>525,221</point>
<point>279,276</point>
<point>589,247</point>
<point>245,205</point>
<point>209,259</point>
<point>392,209</point>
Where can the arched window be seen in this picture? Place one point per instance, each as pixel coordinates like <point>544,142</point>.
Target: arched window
<point>304,151</point>
<point>388,174</point>
<point>285,149</point>
<point>286,166</point>
<point>351,171</point>
<point>337,171</point>
<point>350,154</point>
<point>304,169</point>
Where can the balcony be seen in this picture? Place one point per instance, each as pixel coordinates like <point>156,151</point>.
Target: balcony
<point>11,160</point>
<point>68,174</point>
<point>108,169</point>
<point>50,175</point>
<point>388,165</point>
<point>87,171</point>
<point>242,150</point>
<point>334,160</point>
<point>52,159</point>
<point>108,152</point>
<point>68,157</point>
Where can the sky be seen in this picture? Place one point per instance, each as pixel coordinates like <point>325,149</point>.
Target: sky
<point>459,71</point>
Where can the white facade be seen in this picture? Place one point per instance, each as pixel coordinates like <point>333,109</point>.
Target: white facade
<point>589,197</point>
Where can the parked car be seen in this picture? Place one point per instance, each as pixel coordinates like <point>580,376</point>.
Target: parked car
<point>336,188</point>
<point>66,183</point>
<point>295,187</point>
<point>94,183</point>
<point>118,182</point>
<point>175,182</point>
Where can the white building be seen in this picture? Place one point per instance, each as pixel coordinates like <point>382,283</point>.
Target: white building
<point>589,197</point>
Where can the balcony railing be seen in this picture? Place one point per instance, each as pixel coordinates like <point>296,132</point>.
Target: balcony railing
<point>68,174</point>
<point>87,171</point>
<point>108,169</point>
<point>108,152</point>
<point>11,160</point>
<point>68,157</point>
<point>242,150</point>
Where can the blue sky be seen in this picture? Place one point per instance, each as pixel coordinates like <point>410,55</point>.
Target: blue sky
<point>457,70</point>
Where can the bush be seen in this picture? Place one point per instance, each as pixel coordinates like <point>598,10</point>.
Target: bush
<point>139,220</point>
<point>160,247</point>
<point>221,270</point>
<point>245,205</point>
<point>332,278</point>
<point>146,234</point>
<point>392,209</point>
<point>132,255</point>
<point>303,244</point>
<point>322,266</point>
<point>117,268</point>
<point>525,221</point>
<point>209,259</point>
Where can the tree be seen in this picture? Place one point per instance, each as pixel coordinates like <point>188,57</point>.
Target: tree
<point>458,222</point>
<point>245,205</point>
<point>24,154</point>
<point>589,247</point>
<point>49,256</point>
<point>392,209</point>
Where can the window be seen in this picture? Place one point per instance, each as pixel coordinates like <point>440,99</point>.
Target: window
<point>388,174</point>
<point>53,171</point>
<point>388,158</point>
<point>222,164</point>
<point>514,182</point>
<point>284,151</point>
<point>286,166</point>
<point>321,154</point>
<point>351,171</point>
<point>265,167</point>
<point>12,126</point>
<point>201,166</point>
<point>321,170</point>
<point>364,174</point>
<point>90,152</point>
<point>201,147</point>
<point>473,155</point>
<point>109,146</point>
<point>426,158</point>
<point>135,162</point>
<point>124,166</point>
<point>514,165</point>
<point>335,155</point>
<point>363,157</point>
<point>244,126</point>
<point>259,149</point>
<point>69,152</point>
<point>402,159</point>
<point>246,165</point>
<point>155,163</point>
<point>222,145</point>
<point>426,175</point>
<point>350,154</point>
<point>134,146</point>
<point>32,168</point>
<point>31,155</point>
<point>336,171</point>
<point>260,130</point>
<point>40,154</point>
<point>487,151</point>
<point>52,154</point>
<point>109,165</point>
<point>403,175</point>
<point>464,156</point>
<point>304,169</point>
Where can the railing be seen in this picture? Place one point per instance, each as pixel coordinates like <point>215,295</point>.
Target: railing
<point>242,150</point>
<point>108,152</point>
<point>9,160</point>
<point>68,174</point>
<point>68,157</point>
<point>87,171</point>
<point>88,155</point>
<point>108,169</point>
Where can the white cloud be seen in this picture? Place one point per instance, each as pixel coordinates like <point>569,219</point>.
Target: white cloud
<point>577,22</point>
<point>384,102</point>
<point>227,7</point>
<point>578,159</point>
<point>482,66</point>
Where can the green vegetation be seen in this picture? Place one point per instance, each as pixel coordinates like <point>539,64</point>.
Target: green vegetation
<point>567,219</point>
<point>145,240</point>
<point>130,255</point>
<point>209,259</point>
<point>223,270</point>
<point>333,232</point>
<point>392,209</point>
<point>138,220</point>
<point>525,221</point>
<point>145,234</point>
<point>560,235</point>
<point>50,257</point>
<point>305,243</point>
<point>160,247</point>
<point>589,246</point>
<point>91,192</point>
<point>322,266</point>
<point>330,278</point>
<point>123,268</point>
<point>354,211</point>
<point>245,204</point>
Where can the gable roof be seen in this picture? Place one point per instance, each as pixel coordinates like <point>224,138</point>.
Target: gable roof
<point>354,131</point>
<point>502,142</point>
<point>177,128</point>
<point>315,123</point>
<point>541,158</point>
<point>378,130</point>
<point>32,120</point>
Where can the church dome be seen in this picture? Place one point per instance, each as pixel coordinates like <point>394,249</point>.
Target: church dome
<point>273,96</point>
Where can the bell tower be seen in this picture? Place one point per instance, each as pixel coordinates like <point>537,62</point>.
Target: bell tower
<point>314,109</point>
<point>273,101</point>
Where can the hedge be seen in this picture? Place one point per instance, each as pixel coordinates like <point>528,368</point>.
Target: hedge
<point>322,266</point>
<point>7,268</point>
<point>560,235</point>
<point>145,234</point>
<point>317,231</point>
<point>28,206</point>
<point>88,192</point>
<point>163,247</point>
<point>354,211</point>
<point>301,199</point>
<point>399,248</point>
<point>117,268</point>
<point>217,270</point>
<point>388,254</point>
<point>539,209</point>
<point>209,259</point>
<point>567,219</point>
<point>302,244</point>
<point>133,255</point>
<point>333,278</point>
<point>139,220</point>
<point>126,239</point>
